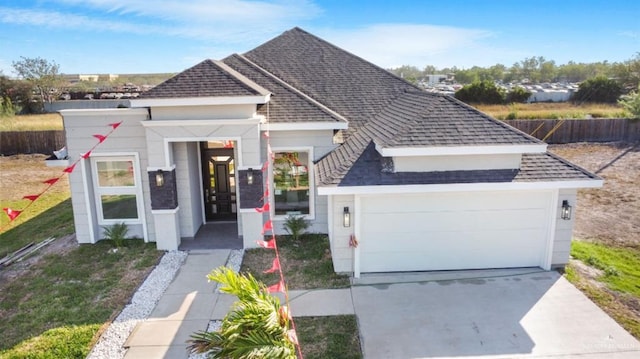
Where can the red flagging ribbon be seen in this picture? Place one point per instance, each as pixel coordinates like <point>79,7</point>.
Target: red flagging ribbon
<point>51,181</point>
<point>12,213</point>
<point>31,197</point>
<point>264,208</point>
<point>265,166</point>
<point>268,226</point>
<point>115,125</point>
<point>267,244</point>
<point>69,169</point>
<point>278,287</point>
<point>100,138</point>
<point>86,155</point>
<point>274,267</point>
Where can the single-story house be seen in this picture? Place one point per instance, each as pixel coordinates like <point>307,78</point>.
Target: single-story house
<point>400,179</point>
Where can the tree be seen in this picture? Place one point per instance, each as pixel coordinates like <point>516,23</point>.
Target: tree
<point>631,102</point>
<point>598,89</point>
<point>42,75</point>
<point>256,327</point>
<point>485,92</point>
<point>518,94</point>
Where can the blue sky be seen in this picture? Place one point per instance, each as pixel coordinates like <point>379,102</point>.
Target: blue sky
<point>146,36</point>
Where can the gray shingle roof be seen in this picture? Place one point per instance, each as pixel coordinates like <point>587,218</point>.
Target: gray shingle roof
<point>418,119</point>
<point>206,79</point>
<point>286,104</point>
<point>368,170</point>
<point>347,84</point>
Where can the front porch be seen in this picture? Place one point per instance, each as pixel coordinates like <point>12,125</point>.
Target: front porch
<point>214,235</point>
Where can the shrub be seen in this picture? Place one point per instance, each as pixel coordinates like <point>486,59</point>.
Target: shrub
<point>518,94</point>
<point>598,89</point>
<point>116,233</point>
<point>485,92</point>
<point>631,103</point>
<point>296,226</point>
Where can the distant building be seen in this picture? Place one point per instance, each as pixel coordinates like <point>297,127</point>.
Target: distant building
<point>74,78</point>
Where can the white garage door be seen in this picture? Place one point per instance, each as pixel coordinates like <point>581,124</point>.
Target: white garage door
<point>443,231</point>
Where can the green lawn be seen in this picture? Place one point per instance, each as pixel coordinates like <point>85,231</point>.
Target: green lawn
<point>62,301</point>
<point>620,278</point>
<point>306,263</point>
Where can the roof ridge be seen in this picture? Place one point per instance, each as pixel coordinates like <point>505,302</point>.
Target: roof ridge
<point>240,77</point>
<point>304,96</point>
<point>298,29</point>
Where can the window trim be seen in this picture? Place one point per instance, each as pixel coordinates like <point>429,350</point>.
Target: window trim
<point>99,191</point>
<point>312,184</point>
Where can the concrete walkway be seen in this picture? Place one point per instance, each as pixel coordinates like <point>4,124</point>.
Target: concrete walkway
<point>190,303</point>
<point>514,313</point>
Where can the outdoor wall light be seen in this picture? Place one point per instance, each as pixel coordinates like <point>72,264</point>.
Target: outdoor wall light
<point>250,176</point>
<point>159,178</point>
<point>346,217</point>
<point>566,210</point>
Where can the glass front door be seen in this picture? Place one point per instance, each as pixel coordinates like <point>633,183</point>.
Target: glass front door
<point>218,175</point>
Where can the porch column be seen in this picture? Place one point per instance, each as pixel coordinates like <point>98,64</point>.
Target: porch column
<point>164,207</point>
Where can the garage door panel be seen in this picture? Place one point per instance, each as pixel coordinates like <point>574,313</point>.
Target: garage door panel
<point>454,201</point>
<point>462,220</point>
<point>453,231</point>
<point>453,241</point>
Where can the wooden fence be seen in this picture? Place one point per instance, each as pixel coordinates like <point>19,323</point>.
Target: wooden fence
<point>25,142</point>
<point>582,130</point>
<point>587,130</point>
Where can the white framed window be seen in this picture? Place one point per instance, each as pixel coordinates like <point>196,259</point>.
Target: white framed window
<point>292,179</point>
<point>117,189</point>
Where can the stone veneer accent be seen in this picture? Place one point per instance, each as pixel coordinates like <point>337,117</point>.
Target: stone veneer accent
<point>165,197</point>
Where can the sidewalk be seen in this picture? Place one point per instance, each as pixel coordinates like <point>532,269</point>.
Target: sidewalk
<point>190,303</point>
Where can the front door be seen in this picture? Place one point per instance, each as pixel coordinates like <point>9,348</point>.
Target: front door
<point>218,175</point>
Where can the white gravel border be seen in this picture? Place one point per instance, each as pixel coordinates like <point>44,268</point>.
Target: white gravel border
<point>144,300</point>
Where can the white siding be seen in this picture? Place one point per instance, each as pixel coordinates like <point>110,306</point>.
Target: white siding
<point>442,231</point>
<point>203,112</point>
<point>339,235</point>
<point>454,163</point>
<point>188,185</point>
<point>564,229</point>
<point>322,143</point>
<point>129,137</point>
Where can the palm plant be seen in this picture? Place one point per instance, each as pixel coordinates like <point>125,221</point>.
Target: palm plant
<point>117,233</point>
<point>256,327</point>
<point>295,226</point>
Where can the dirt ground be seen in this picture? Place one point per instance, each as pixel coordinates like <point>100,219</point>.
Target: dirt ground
<point>610,214</point>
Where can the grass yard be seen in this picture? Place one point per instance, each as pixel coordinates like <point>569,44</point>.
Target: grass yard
<point>611,278</point>
<point>329,337</point>
<point>41,122</point>
<point>307,265</point>
<point>54,303</point>
<point>64,299</point>
<point>606,264</point>
<point>23,175</point>
<point>551,110</point>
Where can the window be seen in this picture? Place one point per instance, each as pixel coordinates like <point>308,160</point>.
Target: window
<point>116,189</point>
<point>293,193</point>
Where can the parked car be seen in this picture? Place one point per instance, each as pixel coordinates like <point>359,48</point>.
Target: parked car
<point>88,96</point>
<point>65,96</point>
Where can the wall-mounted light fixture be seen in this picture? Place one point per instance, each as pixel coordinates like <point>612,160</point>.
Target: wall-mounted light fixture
<point>159,178</point>
<point>346,217</point>
<point>565,213</point>
<point>250,176</point>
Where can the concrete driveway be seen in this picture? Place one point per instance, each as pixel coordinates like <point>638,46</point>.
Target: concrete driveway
<point>524,313</point>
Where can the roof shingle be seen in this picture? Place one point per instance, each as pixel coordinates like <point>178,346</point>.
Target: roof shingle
<point>206,79</point>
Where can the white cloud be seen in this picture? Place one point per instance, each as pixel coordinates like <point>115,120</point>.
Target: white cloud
<point>392,45</point>
<point>234,21</point>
